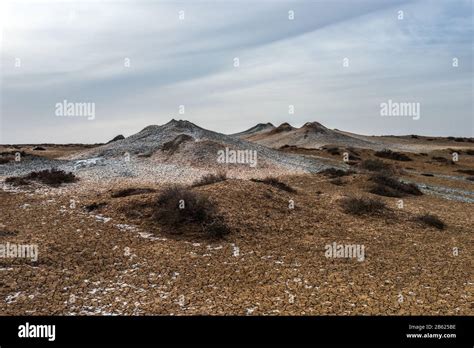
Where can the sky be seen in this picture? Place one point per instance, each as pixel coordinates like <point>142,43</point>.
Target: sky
<point>145,62</point>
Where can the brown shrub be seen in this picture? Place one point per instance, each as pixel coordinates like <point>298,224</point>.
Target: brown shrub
<point>131,192</point>
<point>466,171</point>
<point>333,150</point>
<point>95,206</point>
<point>363,206</point>
<point>52,177</point>
<point>16,181</point>
<point>337,182</point>
<point>442,160</point>
<point>177,206</point>
<point>375,165</point>
<point>396,156</point>
<point>275,183</point>
<point>392,187</point>
<point>431,220</point>
<point>336,173</point>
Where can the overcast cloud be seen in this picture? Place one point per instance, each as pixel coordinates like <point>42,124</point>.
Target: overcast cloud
<point>75,50</point>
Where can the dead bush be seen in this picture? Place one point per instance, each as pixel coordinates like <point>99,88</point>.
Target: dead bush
<point>95,206</point>
<point>336,173</point>
<point>375,165</point>
<point>396,156</point>
<point>177,206</point>
<point>131,191</point>
<point>363,206</point>
<point>52,177</point>
<point>16,181</point>
<point>275,183</point>
<point>392,187</point>
<point>442,160</point>
<point>466,171</point>
<point>431,220</point>
<point>333,150</point>
<point>337,182</point>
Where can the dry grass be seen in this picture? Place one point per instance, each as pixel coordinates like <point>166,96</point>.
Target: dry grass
<point>336,173</point>
<point>52,177</point>
<point>431,221</point>
<point>272,181</point>
<point>363,206</point>
<point>396,156</point>
<point>177,207</point>
<point>131,192</point>
<point>392,187</point>
<point>375,165</point>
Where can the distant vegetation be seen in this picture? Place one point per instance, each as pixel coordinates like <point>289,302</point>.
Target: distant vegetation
<point>336,173</point>
<point>275,183</point>
<point>375,165</point>
<point>396,156</point>
<point>131,192</point>
<point>52,177</point>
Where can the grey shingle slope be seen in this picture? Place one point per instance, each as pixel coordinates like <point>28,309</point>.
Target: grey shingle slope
<point>197,146</point>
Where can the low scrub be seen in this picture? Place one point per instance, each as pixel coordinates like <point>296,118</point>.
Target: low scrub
<point>333,150</point>
<point>396,156</point>
<point>431,220</point>
<point>16,181</point>
<point>95,206</point>
<point>466,171</point>
<point>470,152</point>
<point>375,165</point>
<point>52,177</point>
<point>442,160</point>
<point>177,207</point>
<point>336,173</point>
<point>210,179</point>
<point>275,183</point>
<point>337,182</point>
<point>392,187</point>
<point>363,206</point>
<point>132,191</point>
